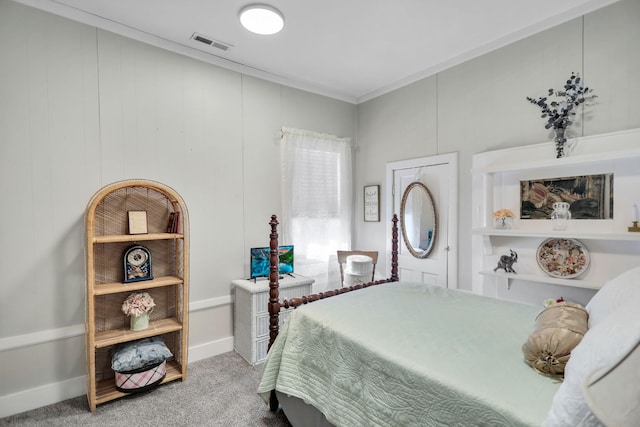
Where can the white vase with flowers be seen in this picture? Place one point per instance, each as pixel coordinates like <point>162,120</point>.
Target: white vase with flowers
<point>138,306</point>
<point>503,218</point>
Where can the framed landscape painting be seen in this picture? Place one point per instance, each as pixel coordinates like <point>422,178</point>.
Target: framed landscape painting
<point>589,196</point>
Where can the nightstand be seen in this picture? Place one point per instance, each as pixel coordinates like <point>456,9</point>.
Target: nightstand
<point>251,316</point>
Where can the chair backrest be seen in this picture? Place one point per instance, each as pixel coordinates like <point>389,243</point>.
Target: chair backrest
<point>342,258</point>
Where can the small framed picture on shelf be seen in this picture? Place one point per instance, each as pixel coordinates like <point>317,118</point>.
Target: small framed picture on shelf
<point>137,222</point>
<point>372,203</point>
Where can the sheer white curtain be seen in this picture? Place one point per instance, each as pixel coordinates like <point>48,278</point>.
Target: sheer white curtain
<point>317,202</point>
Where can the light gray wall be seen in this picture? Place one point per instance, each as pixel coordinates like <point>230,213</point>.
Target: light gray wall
<point>81,108</point>
<point>397,126</point>
<point>480,105</point>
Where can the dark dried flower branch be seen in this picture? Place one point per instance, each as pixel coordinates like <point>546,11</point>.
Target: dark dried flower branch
<point>559,105</point>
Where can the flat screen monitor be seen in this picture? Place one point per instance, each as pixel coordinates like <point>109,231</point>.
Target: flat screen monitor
<point>260,261</point>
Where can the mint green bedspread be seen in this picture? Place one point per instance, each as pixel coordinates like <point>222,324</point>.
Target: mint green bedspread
<point>407,354</point>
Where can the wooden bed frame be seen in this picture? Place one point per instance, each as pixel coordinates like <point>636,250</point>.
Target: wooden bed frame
<point>274,293</point>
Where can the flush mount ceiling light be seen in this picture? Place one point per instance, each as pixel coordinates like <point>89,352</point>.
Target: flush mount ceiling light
<point>261,19</point>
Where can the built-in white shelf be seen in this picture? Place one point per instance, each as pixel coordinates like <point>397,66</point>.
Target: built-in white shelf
<point>576,282</point>
<point>524,158</point>
<point>496,177</point>
<point>564,162</point>
<point>558,234</point>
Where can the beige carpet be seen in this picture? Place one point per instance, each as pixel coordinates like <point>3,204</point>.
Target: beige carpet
<point>220,391</point>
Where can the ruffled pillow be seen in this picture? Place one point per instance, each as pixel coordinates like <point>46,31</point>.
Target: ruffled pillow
<point>138,354</point>
<point>559,329</point>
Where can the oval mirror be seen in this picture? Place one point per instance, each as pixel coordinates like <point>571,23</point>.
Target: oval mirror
<point>419,219</point>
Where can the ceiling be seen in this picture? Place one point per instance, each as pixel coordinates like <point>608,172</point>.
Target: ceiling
<point>352,50</point>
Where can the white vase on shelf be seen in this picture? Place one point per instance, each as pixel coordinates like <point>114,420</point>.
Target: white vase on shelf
<point>560,216</point>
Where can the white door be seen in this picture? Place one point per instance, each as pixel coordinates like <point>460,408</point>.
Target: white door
<point>439,174</point>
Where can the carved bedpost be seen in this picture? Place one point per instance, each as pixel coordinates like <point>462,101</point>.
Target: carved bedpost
<point>394,248</point>
<point>274,295</point>
<point>274,292</point>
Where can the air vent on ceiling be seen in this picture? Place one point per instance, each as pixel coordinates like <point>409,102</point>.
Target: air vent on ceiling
<point>211,42</point>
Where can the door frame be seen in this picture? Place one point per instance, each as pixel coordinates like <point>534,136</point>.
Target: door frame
<point>451,159</point>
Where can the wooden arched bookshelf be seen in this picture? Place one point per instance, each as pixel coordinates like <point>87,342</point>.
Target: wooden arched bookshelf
<point>108,237</point>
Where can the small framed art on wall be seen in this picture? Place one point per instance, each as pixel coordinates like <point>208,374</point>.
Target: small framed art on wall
<point>372,203</point>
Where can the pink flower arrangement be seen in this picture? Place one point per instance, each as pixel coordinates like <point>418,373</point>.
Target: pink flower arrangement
<point>137,304</point>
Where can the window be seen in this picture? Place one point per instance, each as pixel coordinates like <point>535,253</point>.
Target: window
<point>317,202</point>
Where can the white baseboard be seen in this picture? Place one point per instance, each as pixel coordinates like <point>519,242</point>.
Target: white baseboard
<point>214,348</point>
<point>37,397</point>
<point>48,394</point>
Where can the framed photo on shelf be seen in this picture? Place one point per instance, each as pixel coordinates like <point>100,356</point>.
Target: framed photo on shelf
<point>372,203</point>
<point>137,222</point>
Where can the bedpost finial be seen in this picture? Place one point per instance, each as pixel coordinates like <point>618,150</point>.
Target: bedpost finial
<point>274,227</point>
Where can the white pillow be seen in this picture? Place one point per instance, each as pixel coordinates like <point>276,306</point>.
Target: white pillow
<point>613,395</point>
<point>613,294</point>
<point>603,346</point>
